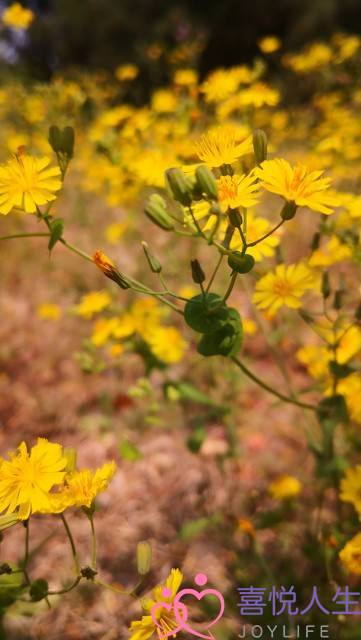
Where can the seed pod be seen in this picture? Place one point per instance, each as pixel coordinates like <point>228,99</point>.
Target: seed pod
<point>289,211</point>
<point>154,264</point>
<point>235,218</point>
<point>241,263</point>
<point>198,274</point>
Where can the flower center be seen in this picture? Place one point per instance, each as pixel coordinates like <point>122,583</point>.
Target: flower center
<point>282,288</point>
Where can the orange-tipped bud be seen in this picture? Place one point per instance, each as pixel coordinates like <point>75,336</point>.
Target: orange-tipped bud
<point>110,269</point>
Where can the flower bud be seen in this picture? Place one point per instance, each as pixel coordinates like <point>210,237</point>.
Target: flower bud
<point>338,299</point>
<point>315,241</point>
<point>109,269</point>
<point>55,138</point>
<point>62,141</point>
<point>156,210</point>
<point>198,274</point>
<point>154,264</point>
<point>289,211</point>
<point>325,287</point>
<point>68,141</point>
<point>235,218</point>
<point>180,186</point>
<point>71,455</point>
<point>207,182</point>
<point>144,557</point>
<point>260,145</point>
<point>241,263</point>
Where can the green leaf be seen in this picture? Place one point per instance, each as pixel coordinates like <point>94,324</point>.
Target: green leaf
<point>57,229</point>
<point>38,590</point>
<point>333,408</point>
<point>196,438</point>
<point>193,528</point>
<point>200,315</point>
<point>227,340</point>
<point>128,451</point>
<point>340,370</point>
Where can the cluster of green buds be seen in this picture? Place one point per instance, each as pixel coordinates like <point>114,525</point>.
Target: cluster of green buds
<point>62,142</point>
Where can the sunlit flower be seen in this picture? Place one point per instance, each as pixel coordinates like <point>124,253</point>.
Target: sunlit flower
<point>331,252</point>
<point>237,191</point>
<point>350,488</point>
<point>269,44</point>
<point>27,478</point>
<point>297,184</point>
<point>126,72</point>
<point>185,77</point>
<point>26,182</point>
<point>222,146</point>
<point>350,555</point>
<point>165,618</point>
<point>83,486</point>
<point>93,303</point>
<point>285,487</point>
<point>17,16</point>
<point>48,311</point>
<point>284,286</point>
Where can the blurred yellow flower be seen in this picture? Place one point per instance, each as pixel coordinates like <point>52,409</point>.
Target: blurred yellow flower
<point>48,311</point>
<point>26,478</point>
<point>237,191</point>
<point>269,44</point>
<point>185,77</point>
<point>331,252</point>
<point>167,344</point>
<point>93,303</point>
<point>165,618</point>
<point>285,487</point>
<point>115,231</point>
<point>222,146</point>
<point>297,184</point>
<point>350,487</point>
<point>82,487</point>
<point>126,72</point>
<point>350,555</point>
<point>17,16</point>
<point>26,183</point>
<point>284,286</point>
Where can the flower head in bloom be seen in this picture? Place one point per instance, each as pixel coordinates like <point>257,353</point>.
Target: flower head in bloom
<point>27,478</point>
<point>269,44</point>
<point>166,622</point>
<point>17,16</point>
<point>350,555</point>
<point>351,487</point>
<point>284,286</point>
<point>92,303</point>
<point>27,182</point>
<point>285,487</point>
<point>237,191</point>
<point>297,184</point>
<point>167,344</point>
<point>222,146</point>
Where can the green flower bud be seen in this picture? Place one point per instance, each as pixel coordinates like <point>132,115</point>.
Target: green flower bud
<point>260,145</point>
<point>62,141</point>
<point>180,186</point>
<point>326,287</point>
<point>156,210</point>
<point>289,211</point>
<point>207,182</point>
<point>338,299</point>
<point>235,218</point>
<point>68,141</point>
<point>241,263</point>
<point>38,590</point>
<point>154,264</point>
<point>144,557</point>
<point>197,272</point>
<point>55,138</point>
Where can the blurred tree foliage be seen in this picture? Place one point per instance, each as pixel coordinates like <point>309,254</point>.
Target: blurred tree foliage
<point>105,33</point>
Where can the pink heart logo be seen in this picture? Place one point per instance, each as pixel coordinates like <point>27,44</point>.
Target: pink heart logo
<point>164,628</point>
<point>199,595</point>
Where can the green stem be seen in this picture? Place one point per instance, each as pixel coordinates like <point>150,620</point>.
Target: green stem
<point>266,387</point>
<point>66,589</point>
<point>72,544</point>
<point>26,555</point>
<point>215,272</point>
<point>121,592</point>
<point>253,244</point>
<point>94,544</point>
<point>25,235</point>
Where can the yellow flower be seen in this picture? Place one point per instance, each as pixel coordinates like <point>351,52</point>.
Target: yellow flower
<point>351,487</point>
<point>285,487</point>
<point>48,311</point>
<point>237,191</point>
<point>26,478</point>
<point>167,344</point>
<point>17,16</point>
<point>26,183</point>
<point>92,303</point>
<point>249,326</point>
<point>126,72</point>
<point>219,85</point>
<point>146,627</point>
<point>83,486</point>
<point>185,77</point>
<point>164,101</point>
<point>350,555</point>
<point>284,286</point>
<point>222,146</point>
<point>350,388</point>
<point>315,56</point>
<point>330,253</point>
<point>269,44</point>
<point>297,184</point>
